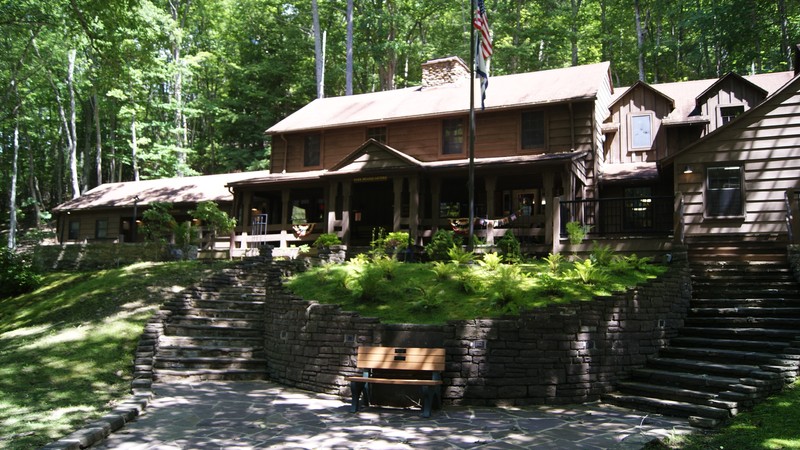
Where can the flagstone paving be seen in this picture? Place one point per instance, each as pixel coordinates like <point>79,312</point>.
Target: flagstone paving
<point>263,415</point>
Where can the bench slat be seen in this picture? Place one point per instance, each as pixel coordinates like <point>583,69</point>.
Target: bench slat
<point>395,381</point>
<point>431,359</point>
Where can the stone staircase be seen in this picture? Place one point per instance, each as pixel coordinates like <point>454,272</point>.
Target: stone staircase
<point>214,331</point>
<point>739,344</point>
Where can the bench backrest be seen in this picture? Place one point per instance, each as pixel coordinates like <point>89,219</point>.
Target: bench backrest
<point>401,358</point>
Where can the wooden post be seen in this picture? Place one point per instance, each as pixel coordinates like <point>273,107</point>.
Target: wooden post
<point>679,224</point>
<point>346,186</point>
<point>555,215</point>
<point>413,209</point>
<point>333,189</point>
<point>398,201</point>
<point>491,186</point>
<point>436,198</point>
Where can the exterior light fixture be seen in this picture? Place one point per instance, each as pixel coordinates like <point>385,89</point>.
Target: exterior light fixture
<point>688,169</point>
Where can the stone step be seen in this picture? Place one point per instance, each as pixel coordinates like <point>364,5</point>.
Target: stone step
<point>749,302</point>
<point>730,356</point>
<point>237,305</point>
<point>216,321</point>
<point>178,375</point>
<point>212,331</point>
<point>209,351</point>
<point>711,383</point>
<point>712,368</point>
<point>746,311</point>
<point>744,293</point>
<point>669,407</point>
<point>207,341</point>
<point>677,394</point>
<point>217,313</point>
<point>747,333</point>
<point>773,323</point>
<point>213,363</point>
<point>739,344</point>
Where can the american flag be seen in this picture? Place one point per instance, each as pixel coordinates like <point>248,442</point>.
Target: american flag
<point>484,48</point>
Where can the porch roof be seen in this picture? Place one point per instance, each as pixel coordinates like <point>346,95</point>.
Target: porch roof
<point>508,91</point>
<point>494,162</point>
<point>174,190</point>
<point>629,172</point>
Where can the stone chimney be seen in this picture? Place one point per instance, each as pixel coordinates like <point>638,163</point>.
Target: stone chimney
<point>438,72</point>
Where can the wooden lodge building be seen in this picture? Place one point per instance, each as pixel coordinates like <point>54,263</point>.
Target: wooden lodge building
<point>642,165</point>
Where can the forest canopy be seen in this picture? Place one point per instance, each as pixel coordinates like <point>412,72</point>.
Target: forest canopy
<point>99,91</point>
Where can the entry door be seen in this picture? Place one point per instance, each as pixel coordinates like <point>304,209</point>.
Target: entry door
<point>372,207</point>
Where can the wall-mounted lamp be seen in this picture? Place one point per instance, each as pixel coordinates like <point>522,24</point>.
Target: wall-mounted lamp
<point>687,169</point>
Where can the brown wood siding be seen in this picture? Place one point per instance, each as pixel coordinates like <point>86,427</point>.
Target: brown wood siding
<point>421,139</point>
<point>88,221</point>
<point>338,144</point>
<point>767,144</point>
<point>640,100</point>
<point>731,92</point>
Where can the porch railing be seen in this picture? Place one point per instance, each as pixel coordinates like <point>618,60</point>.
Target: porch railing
<point>639,216</point>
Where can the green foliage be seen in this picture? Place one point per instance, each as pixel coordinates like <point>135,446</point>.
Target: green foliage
<point>427,299</point>
<point>602,255</point>
<point>490,261</point>
<point>460,256</point>
<point>509,247</point>
<point>505,287</point>
<point>577,232</point>
<point>439,246</point>
<point>442,270</point>
<point>588,272</point>
<point>158,223</point>
<point>213,218</point>
<point>551,284</point>
<point>623,264</point>
<point>17,274</point>
<point>326,240</point>
<point>185,235</point>
<point>554,262</point>
<point>392,243</point>
<point>469,281</point>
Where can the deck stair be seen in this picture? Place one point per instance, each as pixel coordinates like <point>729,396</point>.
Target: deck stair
<point>215,331</point>
<point>739,344</point>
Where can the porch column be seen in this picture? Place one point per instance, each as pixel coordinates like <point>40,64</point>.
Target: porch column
<point>547,194</point>
<point>491,185</point>
<point>413,208</point>
<point>436,197</point>
<point>333,189</point>
<point>286,219</point>
<point>346,185</point>
<point>398,198</point>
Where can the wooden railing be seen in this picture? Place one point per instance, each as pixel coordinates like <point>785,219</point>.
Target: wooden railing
<point>639,216</point>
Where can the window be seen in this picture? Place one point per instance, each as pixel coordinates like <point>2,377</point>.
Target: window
<point>74,230</point>
<point>452,136</point>
<point>311,150</point>
<point>638,208</point>
<point>724,195</point>
<point>377,133</point>
<point>532,129</point>
<point>642,131</point>
<point>728,113</point>
<point>101,228</point>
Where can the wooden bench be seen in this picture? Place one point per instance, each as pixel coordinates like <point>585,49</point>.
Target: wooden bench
<point>405,362</point>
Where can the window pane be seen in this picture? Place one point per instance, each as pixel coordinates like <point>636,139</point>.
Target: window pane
<point>74,230</point>
<point>729,113</point>
<point>377,133</point>
<point>311,153</point>
<point>724,191</point>
<point>452,136</point>
<point>533,129</point>
<point>641,131</point>
<point>101,228</point>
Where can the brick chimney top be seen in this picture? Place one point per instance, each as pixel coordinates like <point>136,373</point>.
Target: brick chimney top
<point>437,72</point>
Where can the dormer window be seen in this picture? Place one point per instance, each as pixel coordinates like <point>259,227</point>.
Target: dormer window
<point>452,137</point>
<point>728,113</point>
<point>641,131</point>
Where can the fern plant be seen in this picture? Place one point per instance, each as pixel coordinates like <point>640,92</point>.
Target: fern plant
<point>491,261</point>
<point>460,256</point>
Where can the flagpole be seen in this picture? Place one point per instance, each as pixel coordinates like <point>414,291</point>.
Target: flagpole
<point>471,171</point>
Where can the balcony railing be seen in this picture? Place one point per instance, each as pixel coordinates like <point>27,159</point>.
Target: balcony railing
<point>640,216</point>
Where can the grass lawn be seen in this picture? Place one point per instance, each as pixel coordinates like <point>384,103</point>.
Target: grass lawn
<point>66,350</point>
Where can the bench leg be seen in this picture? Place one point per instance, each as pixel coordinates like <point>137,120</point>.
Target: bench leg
<point>428,392</point>
<point>355,389</point>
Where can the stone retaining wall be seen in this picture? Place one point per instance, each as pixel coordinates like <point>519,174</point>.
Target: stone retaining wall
<point>94,255</point>
<point>558,354</point>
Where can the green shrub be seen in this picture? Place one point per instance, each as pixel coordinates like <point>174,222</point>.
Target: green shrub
<point>442,270</point>
<point>602,255</point>
<point>427,299</point>
<point>367,283</point>
<point>469,281</point>
<point>509,247</point>
<point>395,242</point>
<point>460,256</point>
<point>326,240</point>
<point>439,246</point>
<point>213,218</point>
<point>17,275</point>
<point>550,284</point>
<point>588,272</point>
<point>577,232</point>
<point>504,287</point>
<point>554,263</point>
<point>491,261</point>
<point>158,223</point>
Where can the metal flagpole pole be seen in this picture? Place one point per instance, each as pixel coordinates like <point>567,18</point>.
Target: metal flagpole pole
<point>471,171</point>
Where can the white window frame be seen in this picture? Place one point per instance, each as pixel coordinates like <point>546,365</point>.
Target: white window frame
<point>634,129</point>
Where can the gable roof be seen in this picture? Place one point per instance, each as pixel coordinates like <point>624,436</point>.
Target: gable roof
<point>686,93</point>
<point>174,190</point>
<point>507,91</point>
<point>735,78</point>
<point>767,104</point>
<point>374,155</point>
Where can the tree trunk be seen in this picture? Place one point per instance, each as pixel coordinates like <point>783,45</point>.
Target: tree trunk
<point>112,137</point>
<point>73,151</point>
<point>134,148</point>
<point>786,48</point>
<point>33,186</point>
<point>180,119</point>
<point>576,7</point>
<point>349,74</point>
<point>639,38</point>
<point>12,196</point>
<point>98,143</point>
<point>317,49</point>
